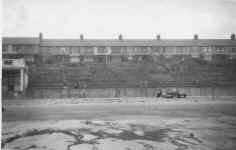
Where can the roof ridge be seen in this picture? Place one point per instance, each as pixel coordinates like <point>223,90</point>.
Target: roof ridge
<point>128,39</point>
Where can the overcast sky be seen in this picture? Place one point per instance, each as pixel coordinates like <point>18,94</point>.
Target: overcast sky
<point>108,18</point>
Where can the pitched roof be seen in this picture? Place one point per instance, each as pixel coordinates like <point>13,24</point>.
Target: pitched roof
<point>125,42</point>
<point>138,42</point>
<point>20,40</point>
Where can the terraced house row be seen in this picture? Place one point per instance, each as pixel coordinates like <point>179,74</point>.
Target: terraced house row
<point>40,50</point>
<point>39,67</point>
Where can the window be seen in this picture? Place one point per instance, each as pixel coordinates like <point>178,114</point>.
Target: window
<point>179,50</point>
<point>27,49</point>
<point>52,49</point>
<point>156,50</point>
<point>63,49</point>
<point>101,50</point>
<point>220,49</point>
<point>116,50</point>
<point>170,50</point>
<point>130,50</point>
<point>15,48</point>
<point>45,50</point>
<point>74,50</point>
<point>8,62</point>
<point>233,50</point>
<point>206,49</point>
<point>145,50</point>
<point>86,50</point>
<point>137,50</point>
<point>4,48</point>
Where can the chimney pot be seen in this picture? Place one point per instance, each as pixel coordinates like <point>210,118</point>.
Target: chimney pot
<point>195,37</point>
<point>120,37</point>
<point>81,36</point>
<point>158,37</point>
<point>232,36</point>
<point>40,35</point>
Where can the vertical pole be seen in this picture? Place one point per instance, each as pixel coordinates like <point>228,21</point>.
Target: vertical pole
<point>21,80</point>
<point>106,58</point>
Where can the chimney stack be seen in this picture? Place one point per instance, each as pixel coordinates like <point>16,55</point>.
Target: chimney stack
<point>195,37</point>
<point>232,37</point>
<point>81,37</point>
<point>158,36</point>
<point>40,36</point>
<point>120,37</point>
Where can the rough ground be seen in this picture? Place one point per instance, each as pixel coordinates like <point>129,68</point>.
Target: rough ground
<point>149,125</point>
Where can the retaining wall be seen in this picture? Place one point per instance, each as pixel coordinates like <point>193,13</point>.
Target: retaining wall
<point>125,92</point>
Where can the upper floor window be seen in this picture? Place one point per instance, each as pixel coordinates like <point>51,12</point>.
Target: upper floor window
<point>86,49</point>
<point>194,49</point>
<point>8,62</point>
<point>145,49</point>
<point>74,50</point>
<point>130,49</point>
<point>63,49</point>
<point>156,49</point>
<point>52,49</point>
<point>137,50</point>
<point>233,49</point>
<point>116,50</point>
<point>4,48</point>
<point>101,50</point>
<point>220,49</point>
<point>170,49</point>
<point>206,49</point>
<point>180,50</point>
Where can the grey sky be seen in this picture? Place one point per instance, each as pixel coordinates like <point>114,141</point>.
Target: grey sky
<point>108,18</point>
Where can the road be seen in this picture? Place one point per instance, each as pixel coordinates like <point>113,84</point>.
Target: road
<point>101,111</point>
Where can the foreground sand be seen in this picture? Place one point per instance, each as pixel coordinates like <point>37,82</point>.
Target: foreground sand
<point>211,125</point>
